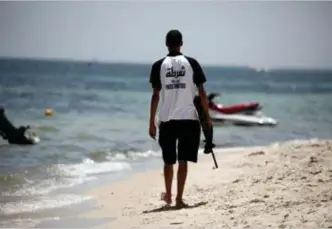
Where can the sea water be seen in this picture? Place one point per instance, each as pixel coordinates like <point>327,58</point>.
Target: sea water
<point>99,128</point>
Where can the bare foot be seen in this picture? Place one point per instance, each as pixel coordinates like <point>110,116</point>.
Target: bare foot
<point>180,204</point>
<point>166,197</point>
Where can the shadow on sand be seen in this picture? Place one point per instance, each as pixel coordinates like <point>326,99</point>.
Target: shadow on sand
<point>173,208</point>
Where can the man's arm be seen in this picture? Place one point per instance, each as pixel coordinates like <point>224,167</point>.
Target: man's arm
<point>154,105</point>
<point>156,86</point>
<point>206,124</point>
<point>204,101</point>
<point>199,80</point>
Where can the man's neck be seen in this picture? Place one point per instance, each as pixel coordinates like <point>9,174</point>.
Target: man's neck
<point>174,49</point>
<point>174,52</point>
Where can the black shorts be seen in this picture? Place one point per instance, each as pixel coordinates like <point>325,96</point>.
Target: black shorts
<point>187,133</point>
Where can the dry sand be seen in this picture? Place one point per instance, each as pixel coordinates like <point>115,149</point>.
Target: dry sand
<point>289,185</point>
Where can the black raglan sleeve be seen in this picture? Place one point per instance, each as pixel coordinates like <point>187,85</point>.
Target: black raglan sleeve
<point>155,75</point>
<point>199,76</point>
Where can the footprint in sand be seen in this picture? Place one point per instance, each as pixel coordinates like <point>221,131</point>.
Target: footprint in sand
<point>176,223</point>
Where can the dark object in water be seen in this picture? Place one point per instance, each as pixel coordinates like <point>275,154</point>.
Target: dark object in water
<point>12,134</point>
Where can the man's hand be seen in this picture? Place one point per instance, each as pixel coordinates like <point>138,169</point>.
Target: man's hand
<point>152,130</point>
<point>208,133</point>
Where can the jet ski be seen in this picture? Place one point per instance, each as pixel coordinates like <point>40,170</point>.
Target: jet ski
<point>24,136</point>
<point>248,114</point>
<point>20,136</point>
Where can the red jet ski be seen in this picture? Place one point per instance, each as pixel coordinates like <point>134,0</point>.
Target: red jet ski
<point>239,108</point>
<point>240,114</point>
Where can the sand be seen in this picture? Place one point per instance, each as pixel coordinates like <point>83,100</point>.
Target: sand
<point>287,185</point>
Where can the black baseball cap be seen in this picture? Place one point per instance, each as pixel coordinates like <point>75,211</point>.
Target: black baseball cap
<point>173,38</point>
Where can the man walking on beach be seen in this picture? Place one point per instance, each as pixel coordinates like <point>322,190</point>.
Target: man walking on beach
<point>177,77</point>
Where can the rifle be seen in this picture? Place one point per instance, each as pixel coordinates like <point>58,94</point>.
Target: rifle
<point>209,145</point>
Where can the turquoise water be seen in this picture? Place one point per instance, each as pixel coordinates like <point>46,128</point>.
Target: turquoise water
<point>100,126</point>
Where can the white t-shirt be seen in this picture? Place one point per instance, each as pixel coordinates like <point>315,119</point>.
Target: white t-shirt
<point>177,77</point>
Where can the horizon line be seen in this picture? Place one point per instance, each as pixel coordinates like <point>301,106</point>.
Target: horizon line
<point>104,62</point>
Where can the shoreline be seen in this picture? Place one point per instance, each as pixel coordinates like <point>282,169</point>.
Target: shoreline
<point>92,213</point>
<point>78,209</point>
<point>59,216</point>
<point>251,182</point>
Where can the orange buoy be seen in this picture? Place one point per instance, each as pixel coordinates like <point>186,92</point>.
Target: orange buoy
<point>48,112</point>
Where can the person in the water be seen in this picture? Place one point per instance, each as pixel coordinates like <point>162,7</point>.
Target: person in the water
<point>10,133</point>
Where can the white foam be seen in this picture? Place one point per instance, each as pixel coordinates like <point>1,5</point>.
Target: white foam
<point>47,186</point>
<point>275,144</point>
<point>89,167</point>
<point>19,223</point>
<point>145,154</point>
<point>294,142</point>
<point>42,203</point>
<point>117,156</point>
<point>133,155</point>
<point>71,175</point>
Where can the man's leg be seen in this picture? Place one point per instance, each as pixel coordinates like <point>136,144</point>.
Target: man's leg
<point>181,177</point>
<point>167,142</point>
<point>168,177</point>
<point>189,139</point>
